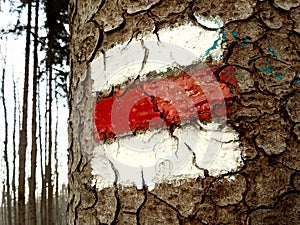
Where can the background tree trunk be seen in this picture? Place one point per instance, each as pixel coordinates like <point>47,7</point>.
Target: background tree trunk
<point>32,183</point>
<point>8,193</point>
<point>3,205</point>
<point>23,130</point>
<point>50,62</point>
<point>57,206</point>
<point>43,204</point>
<point>262,40</point>
<point>13,183</point>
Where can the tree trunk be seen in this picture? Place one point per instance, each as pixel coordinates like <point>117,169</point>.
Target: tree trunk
<point>32,180</point>
<point>57,208</point>
<point>49,64</point>
<point>49,163</point>
<point>23,130</point>
<point>4,205</point>
<point>8,193</point>
<point>260,44</point>
<point>43,159</point>
<point>14,158</point>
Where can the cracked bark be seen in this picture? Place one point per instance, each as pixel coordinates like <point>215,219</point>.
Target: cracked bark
<point>263,44</point>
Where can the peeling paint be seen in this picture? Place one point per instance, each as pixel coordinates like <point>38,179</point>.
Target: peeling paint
<point>210,22</point>
<point>146,105</point>
<point>153,154</point>
<point>193,45</point>
<point>137,155</point>
<point>266,117</point>
<point>215,45</point>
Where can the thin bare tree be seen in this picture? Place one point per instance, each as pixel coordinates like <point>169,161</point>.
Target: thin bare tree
<point>43,205</point>
<point>32,184</point>
<point>13,183</point>
<point>49,67</point>
<point>57,208</point>
<point>3,205</point>
<point>49,164</point>
<point>23,130</point>
<point>8,194</point>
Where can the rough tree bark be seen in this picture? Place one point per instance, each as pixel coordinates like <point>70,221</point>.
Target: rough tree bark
<point>263,46</point>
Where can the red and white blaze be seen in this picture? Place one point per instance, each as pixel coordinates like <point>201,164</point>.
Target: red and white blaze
<point>155,128</point>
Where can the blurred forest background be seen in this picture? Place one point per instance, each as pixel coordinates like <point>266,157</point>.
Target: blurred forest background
<point>34,67</point>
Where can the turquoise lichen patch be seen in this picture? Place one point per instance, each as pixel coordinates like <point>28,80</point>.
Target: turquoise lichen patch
<point>297,81</point>
<point>270,70</point>
<point>223,34</point>
<point>234,34</point>
<point>273,52</point>
<point>246,40</point>
<point>267,70</point>
<point>278,76</point>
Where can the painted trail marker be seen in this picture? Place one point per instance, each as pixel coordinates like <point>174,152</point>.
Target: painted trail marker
<point>160,113</point>
<point>159,102</point>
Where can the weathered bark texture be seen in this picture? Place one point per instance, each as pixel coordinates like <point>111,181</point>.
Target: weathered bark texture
<point>263,44</point>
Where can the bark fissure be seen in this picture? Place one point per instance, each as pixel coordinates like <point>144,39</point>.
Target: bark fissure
<point>261,44</point>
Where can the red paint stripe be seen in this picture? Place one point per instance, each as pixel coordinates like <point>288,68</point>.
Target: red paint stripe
<point>162,102</point>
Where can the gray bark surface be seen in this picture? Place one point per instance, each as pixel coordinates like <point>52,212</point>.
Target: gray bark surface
<point>266,114</point>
